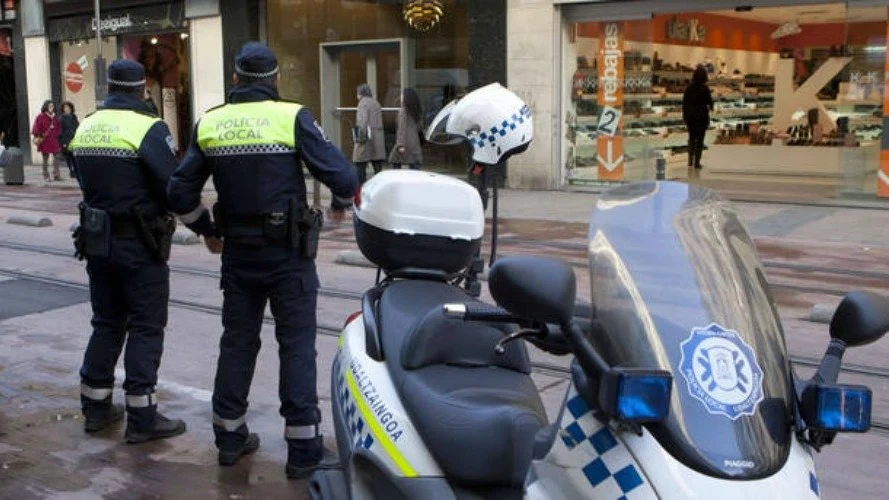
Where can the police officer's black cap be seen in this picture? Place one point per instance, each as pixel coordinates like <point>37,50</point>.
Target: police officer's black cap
<point>126,73</point>
<point>256,61</point>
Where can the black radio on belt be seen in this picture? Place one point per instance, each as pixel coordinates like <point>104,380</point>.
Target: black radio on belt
<point>93,237</point>
<point>275,228</point>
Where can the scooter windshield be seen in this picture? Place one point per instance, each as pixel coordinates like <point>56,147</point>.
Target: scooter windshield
<point>678,284</point>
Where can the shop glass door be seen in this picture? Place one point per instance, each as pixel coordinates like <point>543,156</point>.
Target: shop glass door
<point>615,118</point>
<point>861,102</point>
<point>385,65</point>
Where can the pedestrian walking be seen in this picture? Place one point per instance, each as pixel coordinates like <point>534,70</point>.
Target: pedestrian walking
<point>254,147</point>
<point>69,124</point>
<point>370,143</point>
<point>697,103</point>
<point>408,150</point>
<point>124,158</point>
<point>46,131</point>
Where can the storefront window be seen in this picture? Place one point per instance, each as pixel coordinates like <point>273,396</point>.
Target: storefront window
<point>370,42</point>
<point>797,97</point>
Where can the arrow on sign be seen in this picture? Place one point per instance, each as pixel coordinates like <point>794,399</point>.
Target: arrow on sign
<point>609,162</point>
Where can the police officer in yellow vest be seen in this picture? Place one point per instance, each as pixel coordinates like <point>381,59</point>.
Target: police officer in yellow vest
<point>124,159</point>
<point>254,147</point>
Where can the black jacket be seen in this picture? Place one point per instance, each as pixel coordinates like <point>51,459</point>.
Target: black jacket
<point>697,102</point>
<point>259,181</point>
<point>116,182</point>
<point>69,126</point>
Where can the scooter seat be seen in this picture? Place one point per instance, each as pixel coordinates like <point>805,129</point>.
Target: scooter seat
<point>479,423</point>
<point>476,411</point>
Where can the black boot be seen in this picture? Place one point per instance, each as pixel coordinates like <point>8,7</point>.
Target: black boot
<point>230,457</point>
<point>163,428</point>
<point>100,416</point>
<point>301,469</point>
<point>304,456</point>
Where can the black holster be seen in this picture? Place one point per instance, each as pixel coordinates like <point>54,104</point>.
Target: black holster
<point>310,223</point>
<point>93,237</point>
<point>154,231</point>
<point>219,219</point>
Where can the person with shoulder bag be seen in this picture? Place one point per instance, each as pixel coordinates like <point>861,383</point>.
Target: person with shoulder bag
<point>46,132</point>
<point>408,147</point>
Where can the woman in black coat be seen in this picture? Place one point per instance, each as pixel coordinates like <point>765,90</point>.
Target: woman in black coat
<point>697,102</point>
<point>69,126</point>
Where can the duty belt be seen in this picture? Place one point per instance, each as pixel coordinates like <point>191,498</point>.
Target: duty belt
<point>122,226</point>
<point>244,225</point>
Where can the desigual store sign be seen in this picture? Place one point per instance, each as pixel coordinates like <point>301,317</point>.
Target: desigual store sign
<point>142,19</point>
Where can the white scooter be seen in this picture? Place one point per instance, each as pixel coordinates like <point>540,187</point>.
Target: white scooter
<point>681,385</point>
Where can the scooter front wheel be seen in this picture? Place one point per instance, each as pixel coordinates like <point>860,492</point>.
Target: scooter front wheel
<point>328,484</point>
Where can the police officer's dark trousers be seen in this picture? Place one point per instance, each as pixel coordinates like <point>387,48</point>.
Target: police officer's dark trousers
<point>129,292</point>
<point>253,275</point>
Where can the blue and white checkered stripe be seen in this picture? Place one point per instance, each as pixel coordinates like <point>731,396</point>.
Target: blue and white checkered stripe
<point>489,137</point>
<point>358,429</point>
<point>813,484</point>
<point>608,467</point>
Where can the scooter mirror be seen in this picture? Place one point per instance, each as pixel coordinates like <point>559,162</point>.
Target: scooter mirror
<point>861,318</point>
<point>534,288</point>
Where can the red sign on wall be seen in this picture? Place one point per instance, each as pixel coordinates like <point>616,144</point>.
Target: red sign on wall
<point>74,77</point>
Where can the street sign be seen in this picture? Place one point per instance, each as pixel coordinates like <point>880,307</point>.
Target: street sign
<point>73,77</point>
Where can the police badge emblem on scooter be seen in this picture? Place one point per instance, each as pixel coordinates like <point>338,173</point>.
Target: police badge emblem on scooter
<point>721,371</point>
<point>678,383</point>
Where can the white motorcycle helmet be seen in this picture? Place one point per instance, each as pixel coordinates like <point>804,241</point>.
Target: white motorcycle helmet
<point>495,121</point>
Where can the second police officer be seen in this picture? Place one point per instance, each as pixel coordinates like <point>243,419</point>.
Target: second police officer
<point>124,158</point>
<point>254,148</point>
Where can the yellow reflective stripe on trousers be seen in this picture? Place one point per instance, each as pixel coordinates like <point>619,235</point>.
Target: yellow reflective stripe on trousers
<point>112,129</point>
<point>378,432</point>
<point>263,123</point>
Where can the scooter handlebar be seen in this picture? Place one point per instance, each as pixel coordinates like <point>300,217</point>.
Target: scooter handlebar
<point>479,312</point>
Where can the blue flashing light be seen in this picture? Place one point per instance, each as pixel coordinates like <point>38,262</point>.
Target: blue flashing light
<point>643,397</point>
<point>842,408</point>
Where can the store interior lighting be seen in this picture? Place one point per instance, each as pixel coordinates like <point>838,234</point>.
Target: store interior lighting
<point>153,40</point>
<point>787,29</point>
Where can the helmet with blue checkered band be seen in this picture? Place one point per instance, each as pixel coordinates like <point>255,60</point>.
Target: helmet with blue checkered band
<point>495,121</point>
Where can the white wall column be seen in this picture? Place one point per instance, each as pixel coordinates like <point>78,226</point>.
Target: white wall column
<point>207,73</point>
<point>37,73</point>
<point>532,29</point>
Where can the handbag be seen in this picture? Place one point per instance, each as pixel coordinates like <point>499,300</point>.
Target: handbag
<point>361,134</point>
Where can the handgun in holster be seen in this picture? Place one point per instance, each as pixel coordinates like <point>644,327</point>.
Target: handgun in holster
<point>310,224</point>
<point>219,219</point>
<point>164,228</point>
<point>154,231</point>
<point>93,237</point>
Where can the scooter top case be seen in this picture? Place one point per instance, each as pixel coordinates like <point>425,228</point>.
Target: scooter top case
<point>418,220</point>
<point>678,285</point>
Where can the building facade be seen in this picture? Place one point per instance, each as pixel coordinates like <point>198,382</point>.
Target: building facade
<point>798,86</point>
